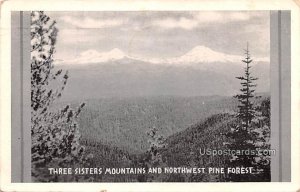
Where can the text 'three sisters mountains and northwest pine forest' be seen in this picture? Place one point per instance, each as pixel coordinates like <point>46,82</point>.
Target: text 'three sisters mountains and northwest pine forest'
<point>135,119</point>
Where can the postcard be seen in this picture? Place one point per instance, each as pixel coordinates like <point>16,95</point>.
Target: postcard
<point>149,96</point>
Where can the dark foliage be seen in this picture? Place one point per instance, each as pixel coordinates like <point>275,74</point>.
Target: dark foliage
<point>55,135</point>
<point>252,131</point>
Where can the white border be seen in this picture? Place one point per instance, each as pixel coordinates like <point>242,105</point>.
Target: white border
<point>138,5</point>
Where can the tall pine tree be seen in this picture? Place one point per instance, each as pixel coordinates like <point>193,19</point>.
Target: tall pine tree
<point>242,136</point>
<point>246,109</point>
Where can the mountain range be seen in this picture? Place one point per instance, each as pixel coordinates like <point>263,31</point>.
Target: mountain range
<point>199,54</point>
<point>200,72</point>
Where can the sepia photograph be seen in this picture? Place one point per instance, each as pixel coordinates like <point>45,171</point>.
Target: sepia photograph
<point>149,95</point>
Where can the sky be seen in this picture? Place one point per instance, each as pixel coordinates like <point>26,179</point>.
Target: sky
<point>161,34</point>
<point>153,53</point>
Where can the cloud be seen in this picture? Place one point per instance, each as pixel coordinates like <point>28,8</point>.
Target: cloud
<point>238,16</point>
<point>88,22</point>
<point>199,18</point>
<point>171,23</point>
<point>73,36</point>
<point>221,17</point>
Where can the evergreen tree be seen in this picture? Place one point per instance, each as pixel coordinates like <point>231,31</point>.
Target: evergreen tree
<point>156,142</point>
<point>246,110</point>
<point>54,133</point>
<point>247,134</point>
<point>261,127</point>
<point>154,157</point>
<point>242,138</point>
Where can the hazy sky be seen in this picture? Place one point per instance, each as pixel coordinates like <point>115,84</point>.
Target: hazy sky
<point>160,34</point>
<point>183,53</point>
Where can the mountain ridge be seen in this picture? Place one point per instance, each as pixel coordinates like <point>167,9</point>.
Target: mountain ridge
<point>198,54</point>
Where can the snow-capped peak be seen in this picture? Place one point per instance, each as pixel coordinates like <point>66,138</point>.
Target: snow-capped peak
<point>93,56</point>
<point>199,54</point>
<point>200,48</point>
<point>116,53</point>
<point>206,55</point>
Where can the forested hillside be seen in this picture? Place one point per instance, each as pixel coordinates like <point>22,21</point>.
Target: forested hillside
<point>182,148</point>
<point>124,122</point>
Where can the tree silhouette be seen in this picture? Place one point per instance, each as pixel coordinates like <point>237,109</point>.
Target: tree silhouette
<point>54,133</point>
<point>153,156</point>
<point>246,109</point>
<point>251,132</point>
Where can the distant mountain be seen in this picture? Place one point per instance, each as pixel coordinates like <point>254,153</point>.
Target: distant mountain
<point>204,55</point>
<point>197,55</point>
<point>132,78</point>
<point>200,71</point>
<point>93,56</point>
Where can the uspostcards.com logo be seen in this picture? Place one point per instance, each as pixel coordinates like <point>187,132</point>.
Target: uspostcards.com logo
<point>237,152</point>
